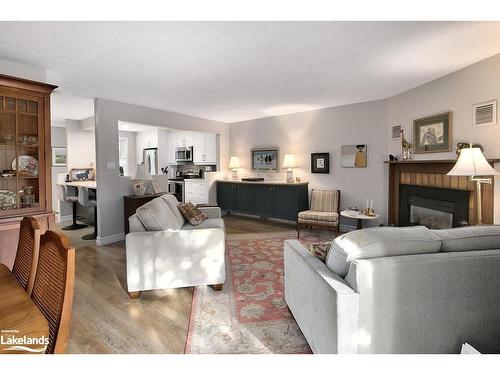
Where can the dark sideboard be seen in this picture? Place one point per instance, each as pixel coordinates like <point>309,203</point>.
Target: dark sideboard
<point>265,199</point>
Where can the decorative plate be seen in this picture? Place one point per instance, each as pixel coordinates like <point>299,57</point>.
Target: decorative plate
<point>28,165</point>
<point>8,200</point>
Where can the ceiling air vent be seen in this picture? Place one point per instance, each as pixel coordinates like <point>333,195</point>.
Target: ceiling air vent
<point>485,113</point>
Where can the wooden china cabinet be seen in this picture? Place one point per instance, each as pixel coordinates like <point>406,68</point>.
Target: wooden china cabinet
<point>25,159</point>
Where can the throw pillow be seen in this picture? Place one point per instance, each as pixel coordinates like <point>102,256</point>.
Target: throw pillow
<point>320,250</point>
<point>192,214</point>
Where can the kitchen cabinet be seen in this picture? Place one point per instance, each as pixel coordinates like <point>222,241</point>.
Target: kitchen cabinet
<point>147,139</point>
<point>196,191</point>
<point>183,138</point>
<point>278,200</point>
<point>204,148</point>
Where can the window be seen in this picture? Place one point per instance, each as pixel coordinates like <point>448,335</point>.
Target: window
<point>123,155</point>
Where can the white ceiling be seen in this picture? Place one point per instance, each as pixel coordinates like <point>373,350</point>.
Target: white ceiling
<point>233,71</point>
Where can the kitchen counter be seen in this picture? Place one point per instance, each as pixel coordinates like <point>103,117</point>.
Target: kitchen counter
<point>266,182</point>
<point>91,184</point>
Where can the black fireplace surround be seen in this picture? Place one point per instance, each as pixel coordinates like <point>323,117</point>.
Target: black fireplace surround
<point>455,202</point>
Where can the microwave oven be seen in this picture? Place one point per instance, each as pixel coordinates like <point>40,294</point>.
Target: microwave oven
<point>184,153</point>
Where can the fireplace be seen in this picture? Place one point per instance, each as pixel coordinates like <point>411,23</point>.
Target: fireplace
<point>432,207</point>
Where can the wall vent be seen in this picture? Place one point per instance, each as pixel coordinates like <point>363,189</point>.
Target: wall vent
<point>485,113</point>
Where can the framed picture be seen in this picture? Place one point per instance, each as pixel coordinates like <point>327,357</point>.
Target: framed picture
<point>265,158</point>
<point>396,133</point>
<point>59,156</point>
<point>320,162</point>
<point>432,134</point>
<point>81,174</point>
<point>354,156</point>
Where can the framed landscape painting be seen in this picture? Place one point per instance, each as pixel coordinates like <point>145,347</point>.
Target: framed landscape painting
<point>59,156</point>
<point>432,134</point>
<point>265,158</point>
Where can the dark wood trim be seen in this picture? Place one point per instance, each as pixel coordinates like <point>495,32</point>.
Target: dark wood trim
<point>26,84</point>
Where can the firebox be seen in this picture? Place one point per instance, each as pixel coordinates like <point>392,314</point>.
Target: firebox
<point>434,208</point>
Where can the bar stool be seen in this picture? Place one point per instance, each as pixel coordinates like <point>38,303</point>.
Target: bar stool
<point>62,195</point>
<point>83,199</point>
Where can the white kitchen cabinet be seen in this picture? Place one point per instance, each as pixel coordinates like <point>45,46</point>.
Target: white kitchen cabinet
<point>196,191</point>
<point>184,138</point>
<point>171,145</point>
<point>144,140</point>
<point>204,148</point>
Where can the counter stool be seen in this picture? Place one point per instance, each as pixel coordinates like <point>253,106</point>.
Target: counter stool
<point>83,199</point>
<point>62,195</point>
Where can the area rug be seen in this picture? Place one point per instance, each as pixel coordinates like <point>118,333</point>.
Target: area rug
<point>249,315</point>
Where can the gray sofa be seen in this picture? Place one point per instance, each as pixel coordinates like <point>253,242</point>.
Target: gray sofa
<point>398,290</point>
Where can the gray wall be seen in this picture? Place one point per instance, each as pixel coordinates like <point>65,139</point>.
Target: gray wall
<point>131,151</point>
<point>325,130</point>
<point>81,145</point>
<point>110,186</point>
<point>456,92</point>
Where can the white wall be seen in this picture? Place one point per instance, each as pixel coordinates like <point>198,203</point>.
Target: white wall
<point>81,145</point>
<point>58,139</point>
<point>325,130</point>
<point>131,151</point>
<point>110,186</point>
<point>456,92</point>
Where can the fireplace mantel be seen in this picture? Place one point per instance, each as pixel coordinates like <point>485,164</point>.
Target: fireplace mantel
<point>432,173</point>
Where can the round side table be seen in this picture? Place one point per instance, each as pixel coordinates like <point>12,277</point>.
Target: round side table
<point>359,216</point>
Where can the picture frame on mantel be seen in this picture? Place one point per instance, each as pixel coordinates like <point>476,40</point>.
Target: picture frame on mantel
<point>433,134</point>
<point>320,162</point>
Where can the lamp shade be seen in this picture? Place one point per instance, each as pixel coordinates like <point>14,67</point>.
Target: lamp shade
<point>289,161</point>
<point>234,162</point>
<point>472,162</point>
<point>141,174</point>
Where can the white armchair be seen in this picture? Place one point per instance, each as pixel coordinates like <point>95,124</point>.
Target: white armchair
<point>173,253</point>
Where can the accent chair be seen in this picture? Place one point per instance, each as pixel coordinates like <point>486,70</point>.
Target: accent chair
<point>324,212</point>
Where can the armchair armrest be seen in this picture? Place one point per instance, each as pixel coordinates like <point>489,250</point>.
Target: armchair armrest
<point>175,258</point>
<point>323,304</point>
<point>212,212</point>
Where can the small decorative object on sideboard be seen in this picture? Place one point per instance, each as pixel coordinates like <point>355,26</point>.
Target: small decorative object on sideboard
<point>320,162</point>
<point>405,147</point>
<point>392,157</point>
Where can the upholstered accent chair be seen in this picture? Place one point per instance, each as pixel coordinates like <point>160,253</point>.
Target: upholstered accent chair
<point>53,287</point>
<point>324,212</point>
<point>27,253</point>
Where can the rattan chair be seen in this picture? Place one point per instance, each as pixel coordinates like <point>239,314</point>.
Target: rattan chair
<point>324,212</point>
<point>27,253</point>
<point>53,287</point>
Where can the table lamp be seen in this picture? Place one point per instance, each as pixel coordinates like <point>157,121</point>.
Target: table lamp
<point>234,164</point>
<point>289,163</point>
<point>472,163</point>
<point>141,175</point>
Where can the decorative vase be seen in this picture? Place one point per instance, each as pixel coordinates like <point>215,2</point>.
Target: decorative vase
<point>27,197</point>
<point>139,188</point>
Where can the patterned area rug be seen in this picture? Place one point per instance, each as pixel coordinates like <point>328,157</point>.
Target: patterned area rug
<point>249,315</point>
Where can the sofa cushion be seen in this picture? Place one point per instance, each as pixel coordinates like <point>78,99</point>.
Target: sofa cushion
<point>320,250</point>
<point>380,242</point>
<point>207,224</point>
<point>173,203</point>
<point>135,225</point>
<point>481,237</point>
<point>192,214</point>
<point>156,215</point>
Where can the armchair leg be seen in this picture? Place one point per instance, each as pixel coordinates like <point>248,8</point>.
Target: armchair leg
<point>216,287</point>
<point>134,294</point>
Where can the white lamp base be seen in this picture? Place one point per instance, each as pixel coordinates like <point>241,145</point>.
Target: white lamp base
<point>139,188</point>
<point>234,174</point>
<point>289,176</point>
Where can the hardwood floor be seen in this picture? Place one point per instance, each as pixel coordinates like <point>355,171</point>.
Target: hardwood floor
<point>106,320</point>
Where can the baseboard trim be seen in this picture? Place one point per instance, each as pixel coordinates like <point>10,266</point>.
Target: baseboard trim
<point>109,239</point>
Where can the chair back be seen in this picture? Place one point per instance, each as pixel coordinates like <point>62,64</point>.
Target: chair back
<point>83,196</point>
<point>53,287</point>
<point>325,200</point>
<point>62,192</point>
<point>27,252</point>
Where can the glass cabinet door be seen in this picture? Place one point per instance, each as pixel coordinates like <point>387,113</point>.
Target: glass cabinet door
<point>21,154</point>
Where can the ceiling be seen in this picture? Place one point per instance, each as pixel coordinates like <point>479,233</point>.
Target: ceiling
<point>233,71</point>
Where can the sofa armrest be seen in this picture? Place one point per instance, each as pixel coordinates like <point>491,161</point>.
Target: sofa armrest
<point>175,258</point>
<point>323,304</point>
<point>212,212</point>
